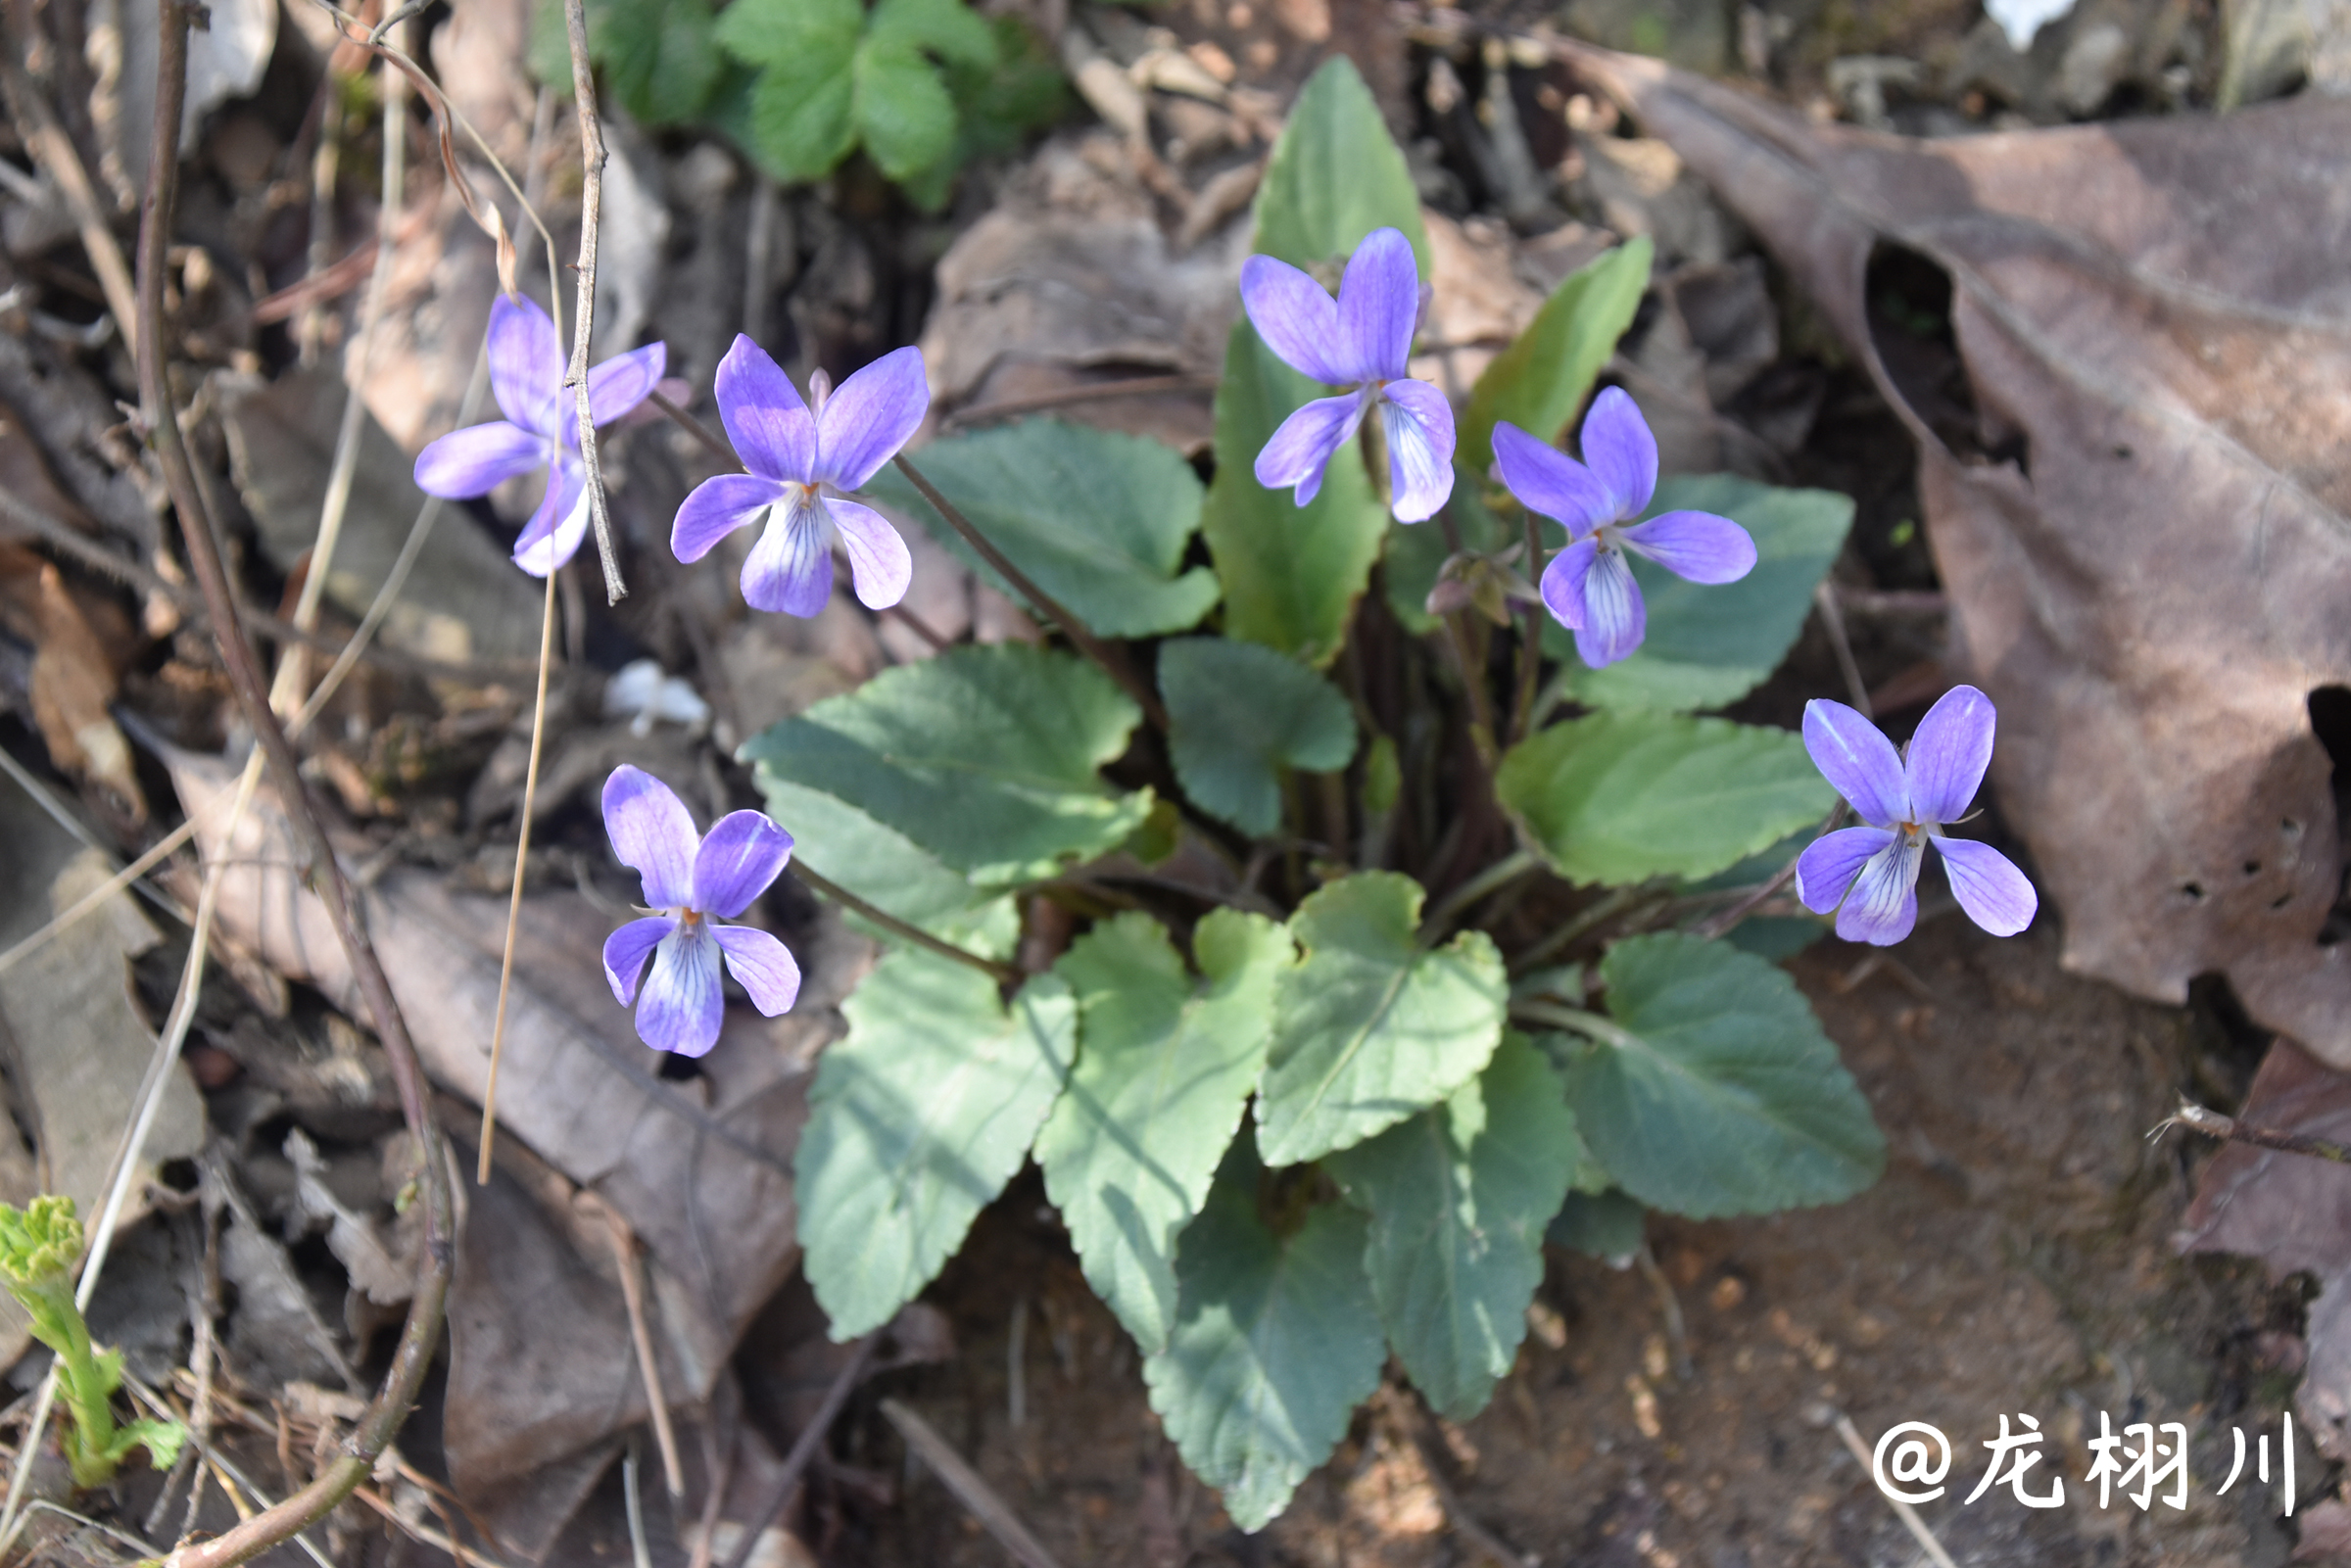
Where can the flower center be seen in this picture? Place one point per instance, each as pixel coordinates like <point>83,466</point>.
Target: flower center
<point>690,916</point>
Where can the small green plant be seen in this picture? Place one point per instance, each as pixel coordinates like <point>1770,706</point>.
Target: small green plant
<point>39,1246</point>
<point>922,86</point>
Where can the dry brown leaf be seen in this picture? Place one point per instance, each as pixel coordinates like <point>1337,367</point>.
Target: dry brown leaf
<point>700,1169</point>
<point>2294,1213</point>
<point>73,683</point>
<point>2152,311</point>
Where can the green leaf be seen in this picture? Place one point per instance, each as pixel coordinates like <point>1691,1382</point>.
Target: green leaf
<point>792,34</point>
<point>1335,175</point>
<point>161,1438</point>
<point>1097,519</point>
<point>1238,713</point>
<point>661,58</point>
<point>1460,1196</point>
<point>984,756</point>
<point>902,113</point>
<point>1276,1341</point>
<point>1717,1094</point>
<point>1292,574</point>
<point>1164,1068</point>
<point>1604,1224</point>
<point>1710,645</point>
<point>889,869</point>
<point>947,29</point>
<point>801,126</point>
<point>1540,379</point>
<point>1371,1028</point>
<point>1620,798</point>
<point>918,1117</point>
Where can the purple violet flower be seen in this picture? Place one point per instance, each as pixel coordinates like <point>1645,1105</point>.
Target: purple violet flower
<point>799,465</point>
<point>541,429</point>
<point>1870,875</point>
<point>1587,587</point>
<point>693,881</point>
<point>1360,341</point>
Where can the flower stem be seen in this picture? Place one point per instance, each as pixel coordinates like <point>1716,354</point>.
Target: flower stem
<point>1473,680</point>
<point>1001,973</point>
<point>1530,648</point>
<point>1092,646</point>
<point>1591,1026</point>
<point>1500,873</point>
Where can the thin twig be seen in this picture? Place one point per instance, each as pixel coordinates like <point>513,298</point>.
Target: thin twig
<point>522,850</point>
<point>1001,973</point>
<point>1832,617</point>
<point>422,1330</point>
<point>993,1512</point>
<point>1043,603</point>
<point>2197,1118</point>
<point>1901,1511</point>
<point>592,201</point>
<point>46,138</point>
<point>632,1290</point>
<point>640,1552</point>
<point>803,1451</point>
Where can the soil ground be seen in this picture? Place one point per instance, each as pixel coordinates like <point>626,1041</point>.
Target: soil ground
<point>2015,1259</point>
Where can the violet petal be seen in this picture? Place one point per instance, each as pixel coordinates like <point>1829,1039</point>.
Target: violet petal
<point>683,1004</point>
<point>526,362</point>
<point>617,386</point>
<point>1825,870</point>
<point>1949,753</point>
<point>553,534</point>
<point>716,509</point>
<point>1616,616</point>
<point>1296,316</point>
<point>477,459</point>
<point>772,429</point>
<point>790,571</point>
<point>1379,300</point>
<point>652,834</point>
<point>1619,449</point>
<point>870,416</point>
<point>761,964</point>
<point>742,854</point>
<point>1301,447</point>
<point>1697,546</point>
<point>1417,422</point>
<point>1551,482</point>
<point>880,566</point>
<point>1563,583</point>
<point>627,949</point>
<point>1883,906</point>
<point>1989,886</point>
<point>1858,761</point>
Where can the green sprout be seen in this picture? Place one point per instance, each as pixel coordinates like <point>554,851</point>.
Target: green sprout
<point>38,1248</point>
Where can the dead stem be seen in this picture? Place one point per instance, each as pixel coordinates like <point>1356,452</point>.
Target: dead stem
<point>632,1290</point>
<point>522,850</point>
<point>591,200</point>
<point>803,1451</point>
<point>422,1331</point>
<point>2211,1123</point>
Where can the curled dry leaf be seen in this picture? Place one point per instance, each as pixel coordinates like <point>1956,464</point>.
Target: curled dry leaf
<point>2146,574</point>
<point>72,681</point>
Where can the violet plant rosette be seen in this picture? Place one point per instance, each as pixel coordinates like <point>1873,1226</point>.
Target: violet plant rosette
<point>693,881</point>
<point>801,465</point>
<point>1869,875</point>
<point>1588,588</point>
<point>1361,341</point>
<point>541,429</point>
